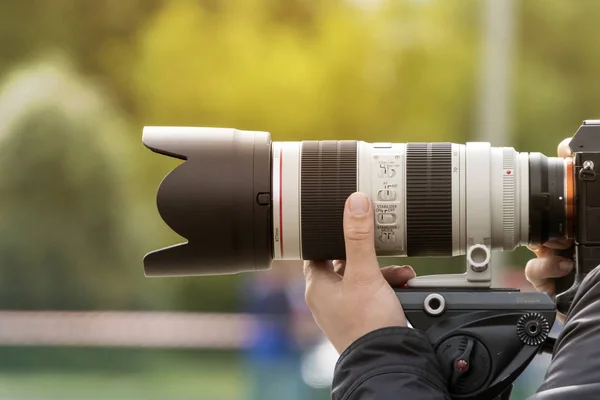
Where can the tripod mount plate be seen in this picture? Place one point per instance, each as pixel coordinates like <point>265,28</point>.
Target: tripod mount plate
<point>483,338</point>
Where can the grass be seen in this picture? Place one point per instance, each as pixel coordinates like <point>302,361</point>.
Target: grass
<point>216,385</point>
<point>96,374</point>
<point>132,374</point>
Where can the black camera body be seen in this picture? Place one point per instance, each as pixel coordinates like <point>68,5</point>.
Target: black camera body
<point>585,146</point>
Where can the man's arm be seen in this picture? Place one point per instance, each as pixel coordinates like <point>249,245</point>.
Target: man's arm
<point>389,363</point>
<point>575,366</point>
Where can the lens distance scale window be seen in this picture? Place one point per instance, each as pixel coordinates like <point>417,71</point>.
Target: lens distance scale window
<point>387,192</point>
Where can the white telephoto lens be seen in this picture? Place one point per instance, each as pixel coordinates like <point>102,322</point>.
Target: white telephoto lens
<point>429,199</point>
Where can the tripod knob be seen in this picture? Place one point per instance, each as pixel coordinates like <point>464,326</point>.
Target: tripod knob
<point>467,363</point>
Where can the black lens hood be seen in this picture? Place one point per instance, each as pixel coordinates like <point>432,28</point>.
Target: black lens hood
<point>218,199</point>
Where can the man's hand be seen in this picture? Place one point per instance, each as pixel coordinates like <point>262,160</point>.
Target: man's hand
<point>541,271</point>
<point>351,298</point>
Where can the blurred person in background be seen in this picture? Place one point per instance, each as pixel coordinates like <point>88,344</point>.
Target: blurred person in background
<point>283,331</point>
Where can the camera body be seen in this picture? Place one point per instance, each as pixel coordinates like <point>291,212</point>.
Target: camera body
<point>585,147</point>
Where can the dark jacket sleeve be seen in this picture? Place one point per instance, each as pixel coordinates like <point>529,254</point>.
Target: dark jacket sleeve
<point>574,371</point>
<point>389,363</point>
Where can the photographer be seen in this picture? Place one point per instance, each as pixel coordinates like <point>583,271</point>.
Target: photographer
<point>381,358</point>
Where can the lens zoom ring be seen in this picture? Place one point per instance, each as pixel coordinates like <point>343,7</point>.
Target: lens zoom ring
<point>429,199</point>
<point>328,177</point>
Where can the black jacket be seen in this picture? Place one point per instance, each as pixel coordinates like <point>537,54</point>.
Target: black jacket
<point>400,363</point>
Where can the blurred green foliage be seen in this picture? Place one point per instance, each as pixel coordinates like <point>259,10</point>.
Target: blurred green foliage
<point>77,204</point>
<point>63,228</point>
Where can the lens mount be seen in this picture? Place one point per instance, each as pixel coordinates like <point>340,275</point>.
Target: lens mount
<point>547,199</point>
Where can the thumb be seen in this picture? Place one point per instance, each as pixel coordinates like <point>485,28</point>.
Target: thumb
<point>359,236</point>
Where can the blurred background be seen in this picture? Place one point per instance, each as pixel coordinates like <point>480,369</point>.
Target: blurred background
<point>78,81</point>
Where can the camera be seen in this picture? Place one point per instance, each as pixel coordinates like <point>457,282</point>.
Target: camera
<point>242,201</point>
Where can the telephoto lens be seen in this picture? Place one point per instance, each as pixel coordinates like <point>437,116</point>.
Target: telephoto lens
<point>242,200</point>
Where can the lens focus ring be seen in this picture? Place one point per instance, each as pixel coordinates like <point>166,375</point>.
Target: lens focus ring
<point>328,178</point>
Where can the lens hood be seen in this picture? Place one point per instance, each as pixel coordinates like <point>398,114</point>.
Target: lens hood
<point>218,199</point>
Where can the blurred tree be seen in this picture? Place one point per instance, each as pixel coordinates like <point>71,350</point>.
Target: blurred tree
<point>65,239</point>
<point>402,72</point>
